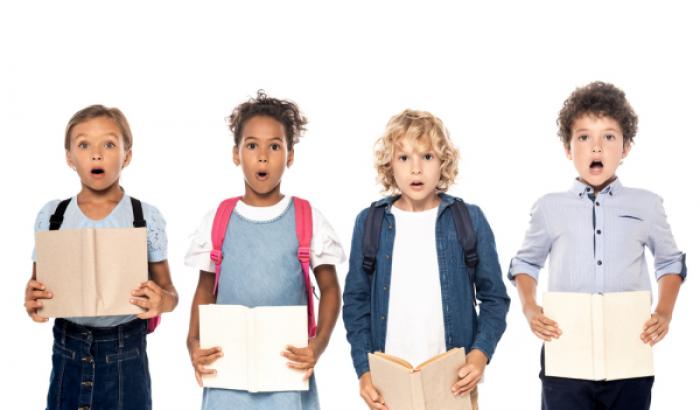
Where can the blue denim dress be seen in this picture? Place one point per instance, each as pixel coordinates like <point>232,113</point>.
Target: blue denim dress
<point>260,268</point>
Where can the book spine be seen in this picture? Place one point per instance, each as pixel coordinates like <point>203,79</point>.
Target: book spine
<point>598,327</point>
<point>253,375</point>
<point>418,399</point>
<point>88,276</point>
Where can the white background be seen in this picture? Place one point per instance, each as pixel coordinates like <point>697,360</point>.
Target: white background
<point>495,72</point>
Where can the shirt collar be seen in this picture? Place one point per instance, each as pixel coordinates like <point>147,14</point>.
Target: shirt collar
<point>445,201</point>
<point>582,189</point>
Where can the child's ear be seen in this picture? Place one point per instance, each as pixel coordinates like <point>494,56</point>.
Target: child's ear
<point>567,150</point>
<point>626,147</point>
<point>69,161</point>
<point>127,159</point>
<point>290,157</point>
<point>236,155</point>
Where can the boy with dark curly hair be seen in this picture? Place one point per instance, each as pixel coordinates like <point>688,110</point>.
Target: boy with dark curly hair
<point>594,235</point>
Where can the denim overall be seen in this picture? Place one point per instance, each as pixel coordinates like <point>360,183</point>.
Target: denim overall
<point>260,268</point>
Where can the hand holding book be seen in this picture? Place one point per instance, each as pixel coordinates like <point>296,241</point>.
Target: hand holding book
<point>471,373</point>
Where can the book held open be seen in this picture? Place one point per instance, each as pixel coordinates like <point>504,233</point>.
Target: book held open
<point>91,272</point>
<point>600,335</point>
<point>428,386</point>
<point>251,340</point>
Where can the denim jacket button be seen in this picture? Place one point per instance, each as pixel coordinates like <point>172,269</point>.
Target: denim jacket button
<point>387,256</point>
<point>86,384</point>
<point>383,317</point>
<point>87,359</point>
<point>386,288</point>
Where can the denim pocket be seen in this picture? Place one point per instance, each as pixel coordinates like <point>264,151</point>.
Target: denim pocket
<point>61,350</point>
<point>120,357</point>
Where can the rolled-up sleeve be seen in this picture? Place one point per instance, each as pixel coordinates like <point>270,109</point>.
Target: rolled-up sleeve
<point>668,259</point>
<point>536,246</point>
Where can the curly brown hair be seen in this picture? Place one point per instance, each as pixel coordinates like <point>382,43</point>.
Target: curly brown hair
<point>284,111</point>
<point>599,99</point>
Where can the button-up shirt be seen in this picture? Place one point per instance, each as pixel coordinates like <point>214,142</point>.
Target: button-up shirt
<point>595,243</point>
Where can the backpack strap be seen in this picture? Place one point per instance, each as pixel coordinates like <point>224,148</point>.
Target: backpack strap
<point>140,222</point>
<point>57,218</point>
<point>218,232</point>
<point>466,238</point>
<point>370,237</point>
<point>304,229</point>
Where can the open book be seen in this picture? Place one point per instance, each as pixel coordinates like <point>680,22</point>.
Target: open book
<point>600,335</point>
<point>91,272</point>
<point>428,386</point>
<point>252,340</point>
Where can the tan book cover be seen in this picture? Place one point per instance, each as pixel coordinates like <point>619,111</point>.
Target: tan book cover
<point>427,386</point>
<point>600,335</point>
<point>91,272</point>
<point>252,340</point>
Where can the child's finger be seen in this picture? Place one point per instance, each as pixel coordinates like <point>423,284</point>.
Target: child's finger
<point>308,374</point>
<point>41,294</point>
<point>35,284</point>
<point>297,350</point>
<point>652,329</point>
<point>654,320</point>
<point>296,357</point>
<point>38,318</point>
<point>547,321</point>
<point>299,365</point>
<point>209,351</point>
<point>204,370</point>
<point>142,303</point>
<point>152,286</point>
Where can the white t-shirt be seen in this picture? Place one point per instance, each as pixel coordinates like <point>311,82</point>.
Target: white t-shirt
<point>415,328</point>
<point>325,245</point>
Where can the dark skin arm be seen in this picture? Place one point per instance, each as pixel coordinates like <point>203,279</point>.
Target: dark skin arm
<point>201,358</point>
<point>305,358</point>
<point>656,328</point>
<point>33,293</point>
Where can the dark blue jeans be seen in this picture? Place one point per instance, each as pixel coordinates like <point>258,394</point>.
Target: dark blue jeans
<point>560,393</point>
<point>99,368</point>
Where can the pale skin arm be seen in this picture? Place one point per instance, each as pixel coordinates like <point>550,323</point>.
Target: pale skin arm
<point>305,358</point>
<point>369,394</point>
<point>157,295</point>
<point>656,328</point>
<point>542,326</point>
<point>33,294</point>
<point>201,358</point>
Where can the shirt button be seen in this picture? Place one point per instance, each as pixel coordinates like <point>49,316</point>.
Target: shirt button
<point>588,189</point>
<point>389,227</point>
<point>598,231</point>
<point>600,263</point>
<point>597,203</point>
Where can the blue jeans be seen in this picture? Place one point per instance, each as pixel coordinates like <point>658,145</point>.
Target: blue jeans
<point>99,368</point>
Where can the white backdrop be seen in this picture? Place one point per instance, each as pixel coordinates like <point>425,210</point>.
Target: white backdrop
<point>495,72</point>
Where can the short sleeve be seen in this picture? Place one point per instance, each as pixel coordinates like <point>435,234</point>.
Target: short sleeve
<point>668,259</point>
<point>156,237</point>
<point>42,220</point>
<point>533,253</point>
<point>197,255</point>
<point>326,248</point>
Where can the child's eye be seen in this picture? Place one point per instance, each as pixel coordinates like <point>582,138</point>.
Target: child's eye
<point>251,145</point>
<point>82,145</point>
<point>110,145</point>
<point>583,138</point>
<point>403,158</point>
<point>275,147</point>
<point>428,157</point>
<point>610,137</point>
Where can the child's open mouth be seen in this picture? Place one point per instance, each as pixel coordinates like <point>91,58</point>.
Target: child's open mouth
<point>596,167</point>
<point>261,175</point>
<point>416,185</point>
<point>97,171</point>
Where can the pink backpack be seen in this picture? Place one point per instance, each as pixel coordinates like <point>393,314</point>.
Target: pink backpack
<point>304,228</point>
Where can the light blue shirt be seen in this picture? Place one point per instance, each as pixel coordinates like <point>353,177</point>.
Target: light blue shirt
<point>121,217</point>
<point>596,244</point>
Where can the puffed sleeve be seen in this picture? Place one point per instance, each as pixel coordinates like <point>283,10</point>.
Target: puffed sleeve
<point>197,255</point>
<point>325,245</point>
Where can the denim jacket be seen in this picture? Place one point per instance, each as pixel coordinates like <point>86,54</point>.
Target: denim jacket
<point>366,297</point>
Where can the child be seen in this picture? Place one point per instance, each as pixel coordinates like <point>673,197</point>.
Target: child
<point>431,305</point>
<point>594,235</point>
<point>260,266</point>
<point>101,361</point>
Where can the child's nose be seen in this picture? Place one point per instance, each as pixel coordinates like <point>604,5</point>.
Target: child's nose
<point>96,156</point>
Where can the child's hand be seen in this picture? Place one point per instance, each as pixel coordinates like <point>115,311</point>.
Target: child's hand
<point>303,358</point>
<point>370,395</point>
<point>33,294</point>
<point>655,328</point>
<point>542,326</point>
<point>201,358</point>
<point>470,374</point>
<point>151,297</point>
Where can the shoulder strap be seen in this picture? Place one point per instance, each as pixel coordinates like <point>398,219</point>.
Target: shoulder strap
<point>370,237</point>
<point>218,231</point>
<point>57,218</point>
<point>304,229</point>
<point>466,238</point>
<point>139,221</point>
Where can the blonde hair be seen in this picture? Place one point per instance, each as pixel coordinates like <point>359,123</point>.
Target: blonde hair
<point>418,127</point>
<point>96,111</point>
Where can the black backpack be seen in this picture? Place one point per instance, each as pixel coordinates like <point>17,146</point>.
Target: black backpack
<point>463,226</point>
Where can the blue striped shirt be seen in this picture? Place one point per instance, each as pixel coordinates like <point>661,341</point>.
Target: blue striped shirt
<point>596,243</point>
